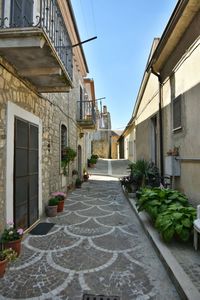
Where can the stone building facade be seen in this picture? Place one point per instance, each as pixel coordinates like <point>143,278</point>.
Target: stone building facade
<point>35,121</point>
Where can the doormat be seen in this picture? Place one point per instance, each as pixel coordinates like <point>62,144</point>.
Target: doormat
<point>41,229</point>
<point>99,297</point>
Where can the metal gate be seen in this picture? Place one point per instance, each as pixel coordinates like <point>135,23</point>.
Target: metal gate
<point>25,173</point>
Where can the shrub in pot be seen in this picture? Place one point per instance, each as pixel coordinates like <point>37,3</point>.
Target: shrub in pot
<point>6,256</point>
<point>61,200</point>
<point>12,237</point>
<point>144,173</point>
<point>51,209</point>
<point>91,162</point>
<point>78,183</point>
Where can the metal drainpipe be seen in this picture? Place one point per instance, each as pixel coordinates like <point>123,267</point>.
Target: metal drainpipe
<point>160,126</point>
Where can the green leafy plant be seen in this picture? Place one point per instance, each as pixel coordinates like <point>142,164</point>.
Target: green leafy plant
<point>59,195</point>
<point>176,220</point>
<point>95,156</point>
<point>8,254</point>
<point>68,155</point>
<point>171,211</point>
<point>157,200</point>
<point>92,161</point>
<point>53,201</point>
<point>144,173</point>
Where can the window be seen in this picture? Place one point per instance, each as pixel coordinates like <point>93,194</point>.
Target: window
<point>177,113</point>
<point>63,139</point>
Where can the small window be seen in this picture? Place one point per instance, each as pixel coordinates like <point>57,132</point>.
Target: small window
<point>63,139</point>
<point>177,118</point>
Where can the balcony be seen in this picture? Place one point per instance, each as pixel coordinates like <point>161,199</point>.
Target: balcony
<point>86,116</point>
<point>34,39</point>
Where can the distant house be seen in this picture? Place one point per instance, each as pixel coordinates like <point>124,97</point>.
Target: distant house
<point>166,114</point>
<point>42,77</point>
<point>126,142</point>
<point>101,139</point>
<point>115,134</point>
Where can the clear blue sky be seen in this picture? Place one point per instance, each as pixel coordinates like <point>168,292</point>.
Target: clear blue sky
<point>117,58</point>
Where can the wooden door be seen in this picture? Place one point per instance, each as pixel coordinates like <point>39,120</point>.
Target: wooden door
<point>25,173</point>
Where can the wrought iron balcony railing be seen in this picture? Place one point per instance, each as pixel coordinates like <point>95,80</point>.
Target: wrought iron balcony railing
<point>44,14</point>
<point>86,116</point>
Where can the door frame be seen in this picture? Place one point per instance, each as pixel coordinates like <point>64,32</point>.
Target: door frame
<point>15,111</point>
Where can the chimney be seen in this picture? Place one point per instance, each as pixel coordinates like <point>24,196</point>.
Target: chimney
<point>105,109</point>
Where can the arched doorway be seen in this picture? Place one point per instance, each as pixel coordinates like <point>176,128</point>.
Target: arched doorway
<point>79,161</point>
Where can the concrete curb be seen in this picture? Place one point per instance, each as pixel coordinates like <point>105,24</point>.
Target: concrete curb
<point>181,280</point>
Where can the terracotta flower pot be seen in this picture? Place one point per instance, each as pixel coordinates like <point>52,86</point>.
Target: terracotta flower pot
<point>3,264</point>
<point>51,211</point>
<point>15,245</point>
<point>60,206</point>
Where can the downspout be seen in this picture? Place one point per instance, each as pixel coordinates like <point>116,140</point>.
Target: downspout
<point>160,125</point>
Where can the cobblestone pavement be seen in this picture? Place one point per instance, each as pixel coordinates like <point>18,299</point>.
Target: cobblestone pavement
<point>188,258</point>
<point>97,246</point>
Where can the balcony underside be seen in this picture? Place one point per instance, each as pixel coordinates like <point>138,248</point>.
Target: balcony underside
<point>87,124</point>
<point>33,56</point>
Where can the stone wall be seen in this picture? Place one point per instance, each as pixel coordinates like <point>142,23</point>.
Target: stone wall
<point>52,110</point>
<point>101,139</point>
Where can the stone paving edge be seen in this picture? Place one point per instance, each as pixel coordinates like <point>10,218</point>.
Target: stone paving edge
<point>181,280</point>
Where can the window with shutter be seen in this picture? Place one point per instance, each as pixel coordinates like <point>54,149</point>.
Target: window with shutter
<point>22,13</point>
<point>28,13</point>
<point>177,113</point>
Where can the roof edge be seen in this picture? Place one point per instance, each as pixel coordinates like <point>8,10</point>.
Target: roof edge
<point>77,33</point>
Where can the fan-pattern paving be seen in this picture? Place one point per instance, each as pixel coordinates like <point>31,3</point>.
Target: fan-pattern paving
<point>97,246</point>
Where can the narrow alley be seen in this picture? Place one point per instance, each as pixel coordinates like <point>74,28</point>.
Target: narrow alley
<point>97,246</point>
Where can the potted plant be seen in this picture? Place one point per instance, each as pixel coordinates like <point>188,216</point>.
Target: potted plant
<point>78,183</point>
<point>61,200</point>
<point>6,255</point>
<point>11,237</point>
<point>95,156</point>
<point>91,162</point>
<point>52,207</point>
